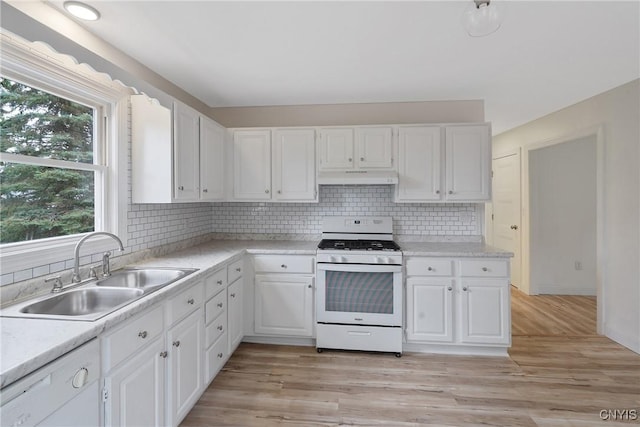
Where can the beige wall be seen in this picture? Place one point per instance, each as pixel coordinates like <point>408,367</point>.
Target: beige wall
<point>352,114</point>
<point>617,114</point>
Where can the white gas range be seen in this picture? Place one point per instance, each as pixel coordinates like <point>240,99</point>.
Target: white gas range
<point>359,286</point>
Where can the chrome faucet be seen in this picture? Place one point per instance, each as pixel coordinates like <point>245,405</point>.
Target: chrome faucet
<point>76,254</point>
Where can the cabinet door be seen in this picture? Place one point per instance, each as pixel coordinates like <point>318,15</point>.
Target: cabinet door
<point>336,149</point>
<point>294,165</point>
<point>419,160</point>
<point>485,311</point>
<point>468,163</point>
<point>236,315</point>
<point>375,148</point>
<point>211,160</point>
<point>429,309</point>
<point>252,165</point>
<point>186,137</point>
<point>136,391</point>
<point>185,366</point>
<point>284,305</point>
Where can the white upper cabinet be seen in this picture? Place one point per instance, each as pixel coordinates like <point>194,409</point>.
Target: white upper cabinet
<point>375,147</point>
<point>363,148</point>
<point>336,149</point>
<point>252,165</point>
<point>186,139</point>
<point>419,159</point>
<point>279,170</point>
<point>211,160</point>
<point>294,165</point>
<point>175,157</point>
<point>468,162</point>
<point>463,174</point>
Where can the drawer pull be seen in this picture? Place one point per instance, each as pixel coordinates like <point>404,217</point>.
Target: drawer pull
<point>191,301</point>
<point>430,269</point>
<point>464,289</point>
<point>164,354</point>
<point>142,334</point>
<point>485,269</point>
<point>176,343</point>
<point>284,266</point>
<point>238,269</point>
<point>219,282</point>
<point>220,355</point>
<point>232,295</point>
<point>219,304</point>
<point>220,327</point>
<point>449,288</point>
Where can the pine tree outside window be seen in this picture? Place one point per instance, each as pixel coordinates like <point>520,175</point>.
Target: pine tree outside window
<point>50,169</point>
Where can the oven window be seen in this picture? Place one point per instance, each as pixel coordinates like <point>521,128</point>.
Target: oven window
<point>357,292</point>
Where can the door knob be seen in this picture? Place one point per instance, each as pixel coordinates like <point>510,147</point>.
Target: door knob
<point>514,227</point>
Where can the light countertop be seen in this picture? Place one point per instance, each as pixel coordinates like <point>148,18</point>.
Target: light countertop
<point>28,344</point>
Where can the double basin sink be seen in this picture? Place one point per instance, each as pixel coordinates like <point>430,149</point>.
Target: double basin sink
<point>99,297</point>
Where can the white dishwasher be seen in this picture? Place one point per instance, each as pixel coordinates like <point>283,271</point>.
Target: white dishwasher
<point>63,393</point>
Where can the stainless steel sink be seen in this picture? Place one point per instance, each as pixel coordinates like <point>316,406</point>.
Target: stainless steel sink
<point>143,278</point>
<point>82,302</point>
<point>94,299</point>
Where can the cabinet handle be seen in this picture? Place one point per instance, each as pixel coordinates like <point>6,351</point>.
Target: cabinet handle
<point>219,282</point>
<point>220,304</point>
<point>142,334</point>
<point>191,301</point>
<point>309,286</point>
<point>164,354</point>
<point>449,288</point>
<point>362,159</point>
<point>266,191</point>
<point>279,192</point>
<point>485,269</point>
<point>220,355</point>
<point>176,343</point>
<point>220,327</point>
<point>450,191</point>
<point>429,269</point>
<point>350,160</point>
<point>238,269</point>
<point>514,227</point>
<point>204,190</point>
<point>464,289</point>
<point>284,266</point>
<point>232,295</point>
<point>437,191</point>
<point>181,188</point>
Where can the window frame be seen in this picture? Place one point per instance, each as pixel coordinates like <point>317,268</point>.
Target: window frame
<point>37,66</point>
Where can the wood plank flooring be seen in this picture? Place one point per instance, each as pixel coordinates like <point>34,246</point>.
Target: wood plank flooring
<point>548,381</point>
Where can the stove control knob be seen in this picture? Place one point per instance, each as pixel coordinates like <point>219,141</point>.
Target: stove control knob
<point>332,258</point>
<point>344,259</point>
<point>378,260</point>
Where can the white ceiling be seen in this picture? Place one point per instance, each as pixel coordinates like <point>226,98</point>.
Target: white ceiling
<point>546,55</point>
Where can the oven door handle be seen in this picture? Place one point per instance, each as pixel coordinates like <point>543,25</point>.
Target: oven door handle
<point>360,268</point>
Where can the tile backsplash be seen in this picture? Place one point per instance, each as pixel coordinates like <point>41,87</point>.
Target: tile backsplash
<point>410,219</point>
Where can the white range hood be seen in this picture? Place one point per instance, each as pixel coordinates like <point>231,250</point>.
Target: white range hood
<point>357,178</point>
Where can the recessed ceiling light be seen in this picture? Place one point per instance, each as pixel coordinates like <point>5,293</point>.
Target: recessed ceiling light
<point>81,10</point>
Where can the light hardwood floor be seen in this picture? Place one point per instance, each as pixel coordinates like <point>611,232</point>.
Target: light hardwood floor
<point>548,380</point>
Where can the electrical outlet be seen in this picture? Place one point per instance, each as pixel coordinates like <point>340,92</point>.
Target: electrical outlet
<point>578,265</point>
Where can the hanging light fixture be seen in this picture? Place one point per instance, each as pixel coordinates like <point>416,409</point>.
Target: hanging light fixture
<point>81,10</point>
<point>482,17</point>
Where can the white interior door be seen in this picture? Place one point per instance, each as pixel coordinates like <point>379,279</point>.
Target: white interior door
<point>506,210</point>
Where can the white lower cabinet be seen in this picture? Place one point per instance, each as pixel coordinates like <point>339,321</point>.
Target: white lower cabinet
<point>284,305</point>
<point>185,374</point>
<point>236,315</point>
<point>458,301</point>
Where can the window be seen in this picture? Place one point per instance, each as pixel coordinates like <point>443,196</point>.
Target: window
<point>63,158</point>
<point>50,173</point>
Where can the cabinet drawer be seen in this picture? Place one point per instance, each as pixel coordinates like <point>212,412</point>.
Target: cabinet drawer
<point>215,358</point>
<point>135,334</point>
<point>429,267</point>
<point>215,306</point>
<point>234,271</point>
<point>215,330</point>
<point>215,282</point>
<point>185,302</point>
<point>283,264</point>
<point>484,268</point>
